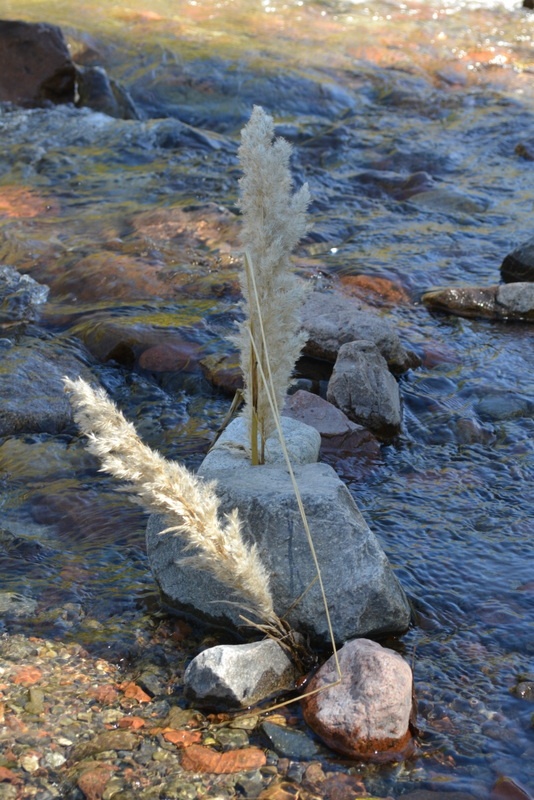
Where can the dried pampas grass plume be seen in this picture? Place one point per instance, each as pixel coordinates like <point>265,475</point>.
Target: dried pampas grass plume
<point>190,504</point>
<point>274,220</point>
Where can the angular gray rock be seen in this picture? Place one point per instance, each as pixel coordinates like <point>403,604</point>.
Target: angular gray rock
<point>331,319</point>
<point>367,714</point>
<point>365,390</point>
<point>363,593</point>
<point>238,675</point>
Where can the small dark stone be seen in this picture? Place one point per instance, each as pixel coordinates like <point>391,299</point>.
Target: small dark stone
<point>524,690</point>
<point>519,264</point>
<point>290,743</point>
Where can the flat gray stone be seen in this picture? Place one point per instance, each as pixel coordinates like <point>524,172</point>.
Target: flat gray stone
<point>517,300</point>
<point>332,319</point>
<point>238,676</point>
<point>364,595</point>
<point>302,441</point>
<point>365,390</point>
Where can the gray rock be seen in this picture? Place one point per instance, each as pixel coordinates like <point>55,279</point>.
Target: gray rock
<point>98,91</point>
<point>516,300</point>
<point>367,713</point>
<point>363,593</point>
<point>302,441</point>
<point>331,319</point>
<point>20,296</point>
<point>519,264</point>
<point>365,390</point>
<point>31,387</point>
<point>239,675</point>
<point>290,743</point>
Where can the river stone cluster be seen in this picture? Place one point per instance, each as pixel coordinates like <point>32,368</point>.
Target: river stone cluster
<point>364,596</point>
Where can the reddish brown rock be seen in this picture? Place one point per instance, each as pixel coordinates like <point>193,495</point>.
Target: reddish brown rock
<point>367,714</point>
<point>21,202</point>
<point>373,290</point>
<point>223,372</point>
<point>338,434</point>
<point>198,758</point>
<point>170,357</point>
<point>35,64</point>
<point>113,276</point>
<point>507,789</point>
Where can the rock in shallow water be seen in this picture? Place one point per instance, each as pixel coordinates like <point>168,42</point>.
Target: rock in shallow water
<point>236,676</point>
<point>365,390</point>
<point>513,301</point>
<point>367,714</point>
<point>518,265</point>
<point>331,319</point>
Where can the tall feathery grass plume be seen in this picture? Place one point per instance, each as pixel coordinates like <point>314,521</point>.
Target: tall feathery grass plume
<point>274,220</point>
<point>190,504</point>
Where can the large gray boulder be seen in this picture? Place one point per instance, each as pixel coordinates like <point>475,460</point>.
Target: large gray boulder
<point>364,595</point>
<point>365,390</point>
<point>332,319</point>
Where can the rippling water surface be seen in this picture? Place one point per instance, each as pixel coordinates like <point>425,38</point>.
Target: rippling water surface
<point>132,224</point>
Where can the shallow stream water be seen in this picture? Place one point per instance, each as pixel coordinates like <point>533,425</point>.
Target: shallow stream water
<point>132,223</point>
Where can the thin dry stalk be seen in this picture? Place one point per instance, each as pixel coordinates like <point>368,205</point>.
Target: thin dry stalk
<point>269,391</point>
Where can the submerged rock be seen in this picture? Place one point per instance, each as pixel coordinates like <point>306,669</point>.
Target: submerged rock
<point>518,266</point>
<point>237,676</point>
<point>31,387</point>
<point>35,64</point>
<point>98,91</point>
<point>363,593</point>
<point>331,319</point>
<point>512,301</point>
<point>20,296</point>
<point>367,714</point>
<point>365,390</point>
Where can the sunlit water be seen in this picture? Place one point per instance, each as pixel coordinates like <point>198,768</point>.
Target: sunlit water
<point>386,89</point>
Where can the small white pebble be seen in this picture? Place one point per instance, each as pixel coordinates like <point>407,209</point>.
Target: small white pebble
<point>54,760</point>
<point>29,762</point>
